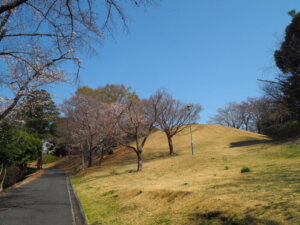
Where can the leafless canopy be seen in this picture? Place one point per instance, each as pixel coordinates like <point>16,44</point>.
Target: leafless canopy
<point>174,115</point>
<point>244,115</point>
<point>137,121</point>
<point>36,36</point>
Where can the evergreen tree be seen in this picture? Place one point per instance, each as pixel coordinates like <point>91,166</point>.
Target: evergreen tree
<point>39,112</point>
<point>287,59</point>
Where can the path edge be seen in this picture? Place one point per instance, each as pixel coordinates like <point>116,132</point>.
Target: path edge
<point>80,217</point>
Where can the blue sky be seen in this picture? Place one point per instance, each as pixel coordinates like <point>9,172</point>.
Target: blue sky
<point>202,51</point>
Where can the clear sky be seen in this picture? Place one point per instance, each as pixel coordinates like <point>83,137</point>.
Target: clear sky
<point>202,51</point>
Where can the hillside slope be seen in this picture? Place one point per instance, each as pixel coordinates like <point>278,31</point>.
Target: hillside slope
<point>207,188</point>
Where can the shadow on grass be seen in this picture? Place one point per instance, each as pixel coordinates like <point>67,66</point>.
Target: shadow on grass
<point>130,161</point>
<point>219,218</point>
<point>249,143</point>
<point>130,157</point>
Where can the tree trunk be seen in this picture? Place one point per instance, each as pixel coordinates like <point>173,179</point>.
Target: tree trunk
<point>3,178</point>
<point>82,160</point>
<point>1,170</point>
<point>90,158</point>
<point>139,160</point>
<point>171,149</point>
<point>101,158</point>
<point>40,160</point>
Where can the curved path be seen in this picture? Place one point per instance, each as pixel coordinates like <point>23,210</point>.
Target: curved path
<point>45,201</point>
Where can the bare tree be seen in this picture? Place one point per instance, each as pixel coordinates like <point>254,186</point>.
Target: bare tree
<point>230,116</point>
<point>259,108</point>
<point>37,36</point>
<point>174,115</point>
<point>137,122</point>
<point>245,115</point>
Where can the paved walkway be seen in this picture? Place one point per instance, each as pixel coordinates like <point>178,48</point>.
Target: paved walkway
<point>45,201</point>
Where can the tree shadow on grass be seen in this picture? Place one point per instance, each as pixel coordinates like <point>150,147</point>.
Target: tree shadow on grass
<point>220,218</point>
<point>249,143</point>
<point>129,160</point>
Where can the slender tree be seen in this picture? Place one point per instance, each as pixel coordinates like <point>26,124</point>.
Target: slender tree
<point>137,121</point>
<point>174,115</point>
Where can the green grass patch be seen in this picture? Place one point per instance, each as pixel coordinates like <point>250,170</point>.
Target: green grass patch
<point>101,209</point>
<point>108,193</point>
<point>49,158</point>
<point>245,169</point>
<point>290,151</point>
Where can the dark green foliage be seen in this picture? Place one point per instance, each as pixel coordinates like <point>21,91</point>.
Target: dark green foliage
<point>283,119</point>
<point>281,130</point>
<point>39,112</point>
<point>245,169</point>
<point>287,59</point>
<point>16,146</point>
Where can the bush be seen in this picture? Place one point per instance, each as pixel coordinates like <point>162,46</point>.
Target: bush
<point>245,169</point>
<point>281,131</point>
<point>17,147</point>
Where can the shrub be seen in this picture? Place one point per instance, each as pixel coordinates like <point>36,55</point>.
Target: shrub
<point>245,169</point>
<point>282,130</point>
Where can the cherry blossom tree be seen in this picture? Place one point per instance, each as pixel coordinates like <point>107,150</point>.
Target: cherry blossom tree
<point>93,125</point>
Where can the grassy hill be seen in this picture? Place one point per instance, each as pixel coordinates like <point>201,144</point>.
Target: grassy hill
<point>207,188</point>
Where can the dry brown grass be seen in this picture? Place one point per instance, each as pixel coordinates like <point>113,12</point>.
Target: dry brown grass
<point>207,188</point>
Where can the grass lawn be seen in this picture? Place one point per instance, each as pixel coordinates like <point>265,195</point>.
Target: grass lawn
<point>207,188</point>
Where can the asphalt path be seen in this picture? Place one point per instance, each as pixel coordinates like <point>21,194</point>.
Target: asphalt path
<point>45,201</point>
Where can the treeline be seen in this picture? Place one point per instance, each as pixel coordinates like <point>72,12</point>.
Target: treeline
<point>95,122</point>
<point>246,115</point>
<point>277,114</point>
<point>22,135</point>
<point>98,120</point>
